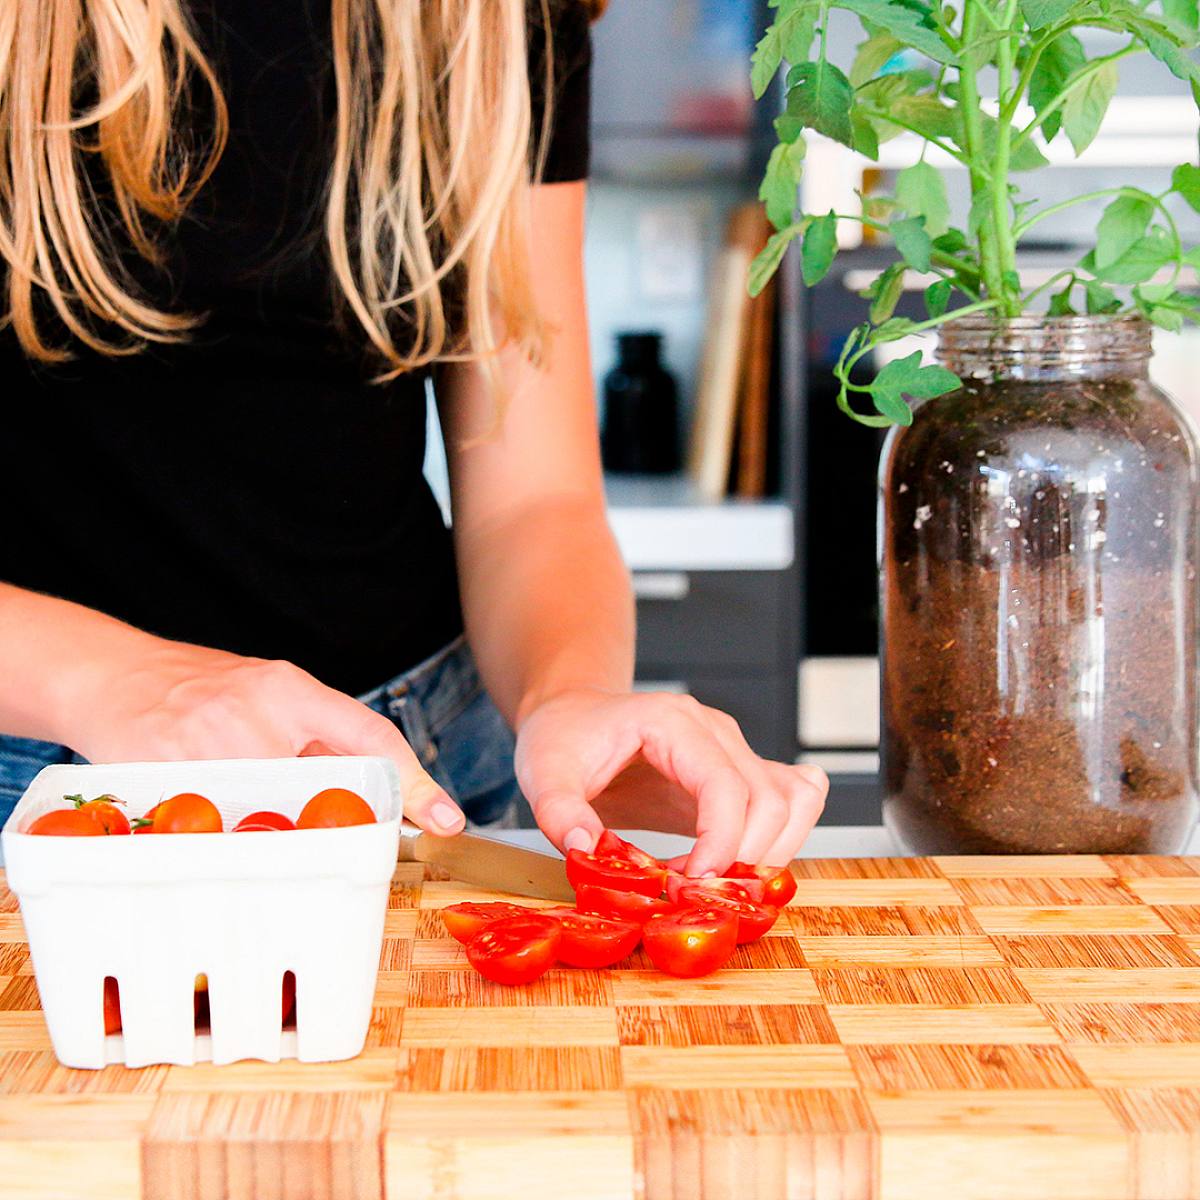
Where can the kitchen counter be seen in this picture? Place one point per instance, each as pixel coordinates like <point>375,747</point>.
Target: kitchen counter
<point>969,1028</point>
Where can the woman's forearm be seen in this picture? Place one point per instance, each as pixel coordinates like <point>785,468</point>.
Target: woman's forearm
<point>49,650</point>
<point>548,604</point>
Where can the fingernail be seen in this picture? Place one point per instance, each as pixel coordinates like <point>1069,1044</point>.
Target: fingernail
<point>578,839</point>
<point>445,815</point>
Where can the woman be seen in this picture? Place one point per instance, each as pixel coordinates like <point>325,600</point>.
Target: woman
<point>238,239</point>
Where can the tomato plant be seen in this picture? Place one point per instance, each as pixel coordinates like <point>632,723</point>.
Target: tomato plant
<point>463,921</point>
<point>262,822</point>
<point>753,919</point>
<point>779,884</point>
<point>333,808</point>
<point>589,940</point>
<point>516,949</point>
<point>692,941</point>
<point>187,813</point>
<point>620,906</point>
<point>617,873</point>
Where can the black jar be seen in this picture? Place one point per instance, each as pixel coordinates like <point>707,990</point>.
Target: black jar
<point>1038,567</point>
<point>641,409</point>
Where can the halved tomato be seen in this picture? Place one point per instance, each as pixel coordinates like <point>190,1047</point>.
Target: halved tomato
<point>610,845</point>
<point>260,822</point>
<point>618,905</point>
<point>516,949</point>
<point>618,873</point>
<point>463,921</point>
<point>691,941</point>
<point>779,884</point>
<point>753,919</point>
<point>736,889</point>
<point>593,941</point>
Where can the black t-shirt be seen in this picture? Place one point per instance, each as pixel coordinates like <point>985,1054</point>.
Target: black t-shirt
<point>251,489</point>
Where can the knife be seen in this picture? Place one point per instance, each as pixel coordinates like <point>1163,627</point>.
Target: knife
<point>489,863</point>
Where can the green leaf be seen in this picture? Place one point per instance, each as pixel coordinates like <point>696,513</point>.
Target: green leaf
<point>765,60</point>
<point>1164,45</point>
<point>886,292</point>
<point>1166,318</point>
<point>913,243</point>
<point>1040,13</point>
<point>893,329</point>
<point>903,23</point>
<point>1183,13</point>
<point>782,178</point>
<point>820,245</point>
<point>1084,109</point>
<point>1185,180</point>
<point>1058,62</point>
<point>951,242</point>
<point>921,192</point>
<point>1060,302</point>
<point>872,56</point>
<point>796,32</point>
<point>1139,263</point>
<point>788,128</point>
<point>907,377</point>
<point>980,213</point>
<point>1100,299</point>
<point>1027,157</point>
<point>937,297</point>
<point>1124,221</point>
<point>863,135</point>
<point>767,261</point>
<point>820,96</point>
<point>928,116</point>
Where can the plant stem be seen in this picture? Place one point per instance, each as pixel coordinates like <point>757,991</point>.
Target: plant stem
<point>1001,208</point>
<point>973,139</point>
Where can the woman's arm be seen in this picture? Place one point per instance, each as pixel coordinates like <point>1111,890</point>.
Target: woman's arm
<point>114,693</point>
<point>549,610</point>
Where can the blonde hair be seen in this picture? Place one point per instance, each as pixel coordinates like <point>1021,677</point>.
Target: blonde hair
<point>429,180</point>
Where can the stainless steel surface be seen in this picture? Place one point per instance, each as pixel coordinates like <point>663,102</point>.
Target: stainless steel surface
<point>489,863</point>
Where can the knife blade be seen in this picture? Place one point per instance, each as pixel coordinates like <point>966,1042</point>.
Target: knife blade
<point>489,863</point>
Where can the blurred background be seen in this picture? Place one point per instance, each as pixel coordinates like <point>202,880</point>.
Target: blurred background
<point>744,502</point>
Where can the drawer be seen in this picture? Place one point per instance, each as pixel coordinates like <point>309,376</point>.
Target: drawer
<point>711,618</point>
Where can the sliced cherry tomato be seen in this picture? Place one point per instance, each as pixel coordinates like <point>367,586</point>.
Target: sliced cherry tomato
<point>610,845</point>
<point>618,905</point>
<point>333,808</point>
<point>260,822</point>
<point>187,813</point>
<point>779,884</point>
<point>618,873</point>
<point>145,824</point>
<point>593,941</point>
<point>112,1006</point>
<point>464,921</point>
<point>736,889</point>
<point>67,822</point>
<point>104,809</point>
<point>691,941</point>
<point>753,919</point>
<point>516,949</point>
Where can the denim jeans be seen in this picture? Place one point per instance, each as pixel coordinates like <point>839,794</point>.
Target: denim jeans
<point>440,707</point>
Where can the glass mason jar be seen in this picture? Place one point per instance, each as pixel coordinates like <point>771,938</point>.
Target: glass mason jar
<point>1038,550</point>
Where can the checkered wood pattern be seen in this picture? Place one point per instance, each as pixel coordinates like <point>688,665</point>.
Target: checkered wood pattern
<point>912,1029</point>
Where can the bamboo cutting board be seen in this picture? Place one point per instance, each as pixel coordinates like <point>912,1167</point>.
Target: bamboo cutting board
<point>913,1029</point>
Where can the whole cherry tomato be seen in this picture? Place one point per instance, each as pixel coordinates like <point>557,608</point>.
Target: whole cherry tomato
<point>618,873</point>
<point>617,905</point>
<point>67,822</point>
<point>261,822</point>
<point>593,941</point>
<point>335,807</point>
<point>753,919</point>
<point>112,1006</point>
<point>145,824</point>
<point>463,921</point>
<point>104,809</point>
<point>187,813</point>
<point>779,884</point>
<point>516,949</point>
<point>690,942</point>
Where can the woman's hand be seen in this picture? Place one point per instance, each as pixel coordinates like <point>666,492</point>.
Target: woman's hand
<point>169,700</point>
<point>669,763</point>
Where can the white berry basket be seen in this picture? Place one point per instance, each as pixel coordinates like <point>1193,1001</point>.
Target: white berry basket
<point>243,909</point>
